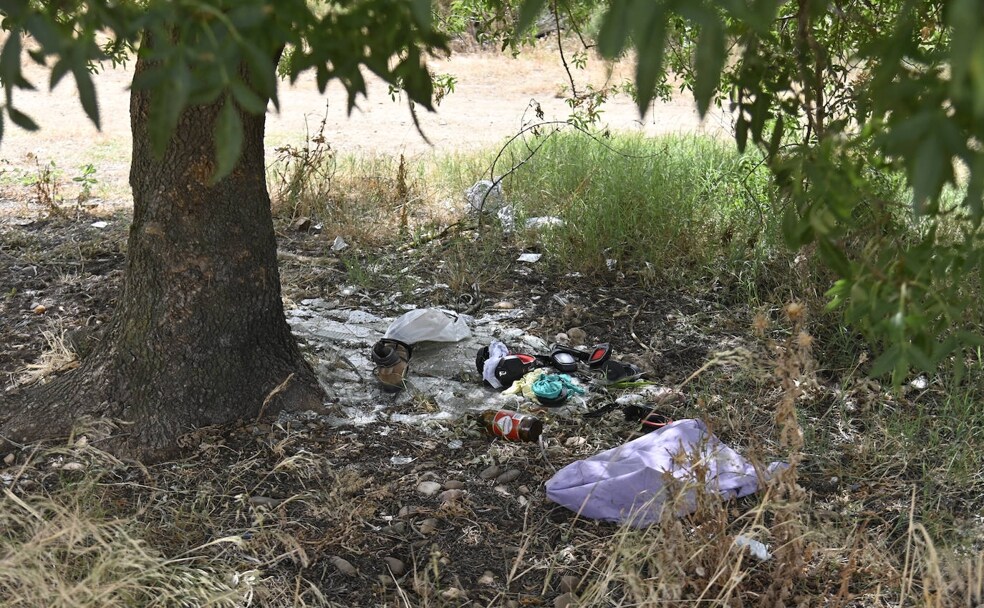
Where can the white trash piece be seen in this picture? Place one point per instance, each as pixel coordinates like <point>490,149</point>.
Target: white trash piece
<point>429,325</point>
<point>479,202</point>
<point>755,548</point>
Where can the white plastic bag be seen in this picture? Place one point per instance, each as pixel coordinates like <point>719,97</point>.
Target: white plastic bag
<point>429,325</point>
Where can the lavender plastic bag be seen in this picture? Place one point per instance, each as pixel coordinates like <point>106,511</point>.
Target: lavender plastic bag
<point>628,484</point>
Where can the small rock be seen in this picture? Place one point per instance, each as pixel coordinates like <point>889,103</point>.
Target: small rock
<point>487,579</point>
<point>397,529</point>
<point>72,466</point>
<point>568,584</point>
<point>407,510</point>
<point>454,484</point>
<point>301,224</point>
<point>562,338</point>
<point>504,305</point>
<point>573,442</point>
<point>563,601</point>
<point>489,473</point>
<point>9,459</point>
<point>508,476</point>
<point>502,490</point>
<point>82,442</point>
<point>453,594</point>
<point>428,488</point>
<point>577,336</point>
<point>344,566</point>
<point>523,489</point>
<point>428,526</point>
<point>452,495</point>
<point>556,451</point>
<point>40,309</point>
<point>395,565</point>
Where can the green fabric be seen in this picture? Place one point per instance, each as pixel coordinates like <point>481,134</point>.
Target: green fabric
<point>549,386</point>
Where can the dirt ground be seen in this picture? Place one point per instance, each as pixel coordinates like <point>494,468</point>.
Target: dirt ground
<point>300,495</point>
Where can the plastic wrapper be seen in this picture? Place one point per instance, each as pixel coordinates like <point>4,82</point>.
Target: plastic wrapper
<point>429,325</point>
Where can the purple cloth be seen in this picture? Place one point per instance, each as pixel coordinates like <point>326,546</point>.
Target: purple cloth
<point>627,484</point>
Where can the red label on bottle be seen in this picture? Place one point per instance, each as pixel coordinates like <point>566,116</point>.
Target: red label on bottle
<point>505,425</point>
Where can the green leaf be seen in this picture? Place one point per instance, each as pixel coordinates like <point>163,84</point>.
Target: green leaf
<point>58,72</point>
<point>614,31</point>
<point>422,12</point>
<point>263,72</point>
<point>834,258</point>
<point>10,58</point>
<point>228,140</point>
<point>927,171</point>
<point>650,33</point>
<point>248,16</point>
<point>22,120</point>
<point>168,103</point>
<point>741,133</point>
<point>87,93</point>
<point>776,140</point>
<point>793,229</point>
<point>964,18</point>
<point>528,12</point>
<point>887,361</point>
<point>709,58</point>
<point>920,359</point>
<point>247,98</point>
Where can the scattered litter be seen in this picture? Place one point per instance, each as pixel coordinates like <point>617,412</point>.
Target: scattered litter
<point>628,484</point>
<point>477,199</point>
<point>511,426</point>
<point>339,244</point>
<point>455,444</point>
<point>401,460</point>
<point>920,383</point>
<point>611,263</point>
<point>630,399</point>
<point>301,224</point>
<point>99,224</point>
<point>429,325</point>
<point>536,223</point>
<point>755,548</point>
<point>530,257</point>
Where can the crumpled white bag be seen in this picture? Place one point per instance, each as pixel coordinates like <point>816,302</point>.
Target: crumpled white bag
<point>628,484</point>
<point>429,325</point>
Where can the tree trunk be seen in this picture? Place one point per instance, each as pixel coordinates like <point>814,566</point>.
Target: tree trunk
<point>199,337</point>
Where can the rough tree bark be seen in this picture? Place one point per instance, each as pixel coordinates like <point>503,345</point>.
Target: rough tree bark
<point>199,336</point>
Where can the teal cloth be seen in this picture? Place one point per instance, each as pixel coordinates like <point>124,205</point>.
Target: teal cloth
<point>549,386</point>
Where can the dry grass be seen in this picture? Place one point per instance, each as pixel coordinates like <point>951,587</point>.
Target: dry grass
<point>57,357</point>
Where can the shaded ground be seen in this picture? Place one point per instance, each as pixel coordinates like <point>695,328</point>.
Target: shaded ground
<point>302,492</point>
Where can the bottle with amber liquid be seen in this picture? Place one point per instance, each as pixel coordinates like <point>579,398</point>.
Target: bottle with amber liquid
<point>511,426</point>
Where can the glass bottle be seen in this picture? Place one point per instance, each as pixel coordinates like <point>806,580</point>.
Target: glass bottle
<point>511,426</point>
